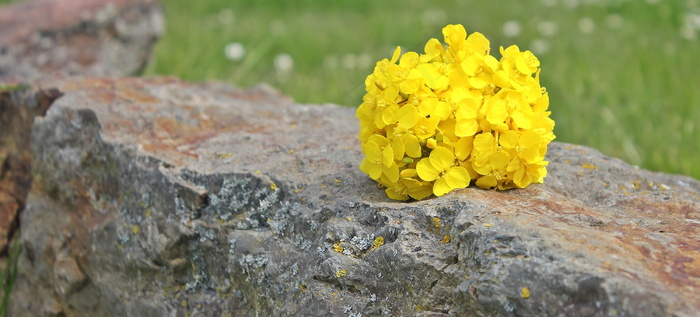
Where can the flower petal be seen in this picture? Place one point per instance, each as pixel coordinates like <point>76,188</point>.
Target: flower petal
<point>395,194</point>
<point>496,112</point>
<point>441,158</point>
<point>486,182</point>
<point>426,171</point>
<point>441,187</point>
<point>408,117</point>
<point>395,56</point>
<point>388,156</point>
<point>457,177</point>
<point>463,148</point>
<point>420,192</point>
<point>466,127</point>
<point>509,139</point>
<point>499,160</point>
<point>373,170</point>
<point>411,145</point>
<point>399,149</point>
<point>392,173</point>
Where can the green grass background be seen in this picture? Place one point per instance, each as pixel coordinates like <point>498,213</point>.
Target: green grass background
<point>627,88</point>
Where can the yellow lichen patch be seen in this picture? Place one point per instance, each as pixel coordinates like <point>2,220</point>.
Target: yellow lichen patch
<point>525,292</point>
<point>323,186</point>
<point>436,222</point>
<point>488,225</point>
<point>340,273</point>
<point>302,287</point>
<point>378,242</point>
<point>148,213</point>
<point>290,152</point>
<point>225,156</point>
<point>257,172</point>
<point>337,181</point>
<point>636,184</point>
<point>135,229</point>
<point>273,186</point>
<point>589,166</point>
<point>445,239</point>
<point>338,247</point>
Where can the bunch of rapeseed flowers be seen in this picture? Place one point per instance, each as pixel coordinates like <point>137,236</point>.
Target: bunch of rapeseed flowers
<point>434,122</point>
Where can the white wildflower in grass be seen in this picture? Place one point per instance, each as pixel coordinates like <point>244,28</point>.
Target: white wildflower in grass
<point>349,61</point>
<point>614,21</point>
<point>586,25</point>
<point>234,51</point>
<point>687,32</point>
<point>692,19</point>
<point>691,24</point>
<point>225,17</point>
<point>540,46</point>
<point>276,27</point>
<point>547,28</point>
<point>436,16</point>
<point>283,63</point>
<point>571,4</point>
<point>512,28</point>
<point>364,60</point>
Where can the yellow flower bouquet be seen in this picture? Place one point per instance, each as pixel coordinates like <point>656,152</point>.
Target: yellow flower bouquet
<point>434,122</point>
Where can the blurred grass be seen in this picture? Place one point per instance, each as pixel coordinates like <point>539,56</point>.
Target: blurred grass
<point>622,75</point>
<point>8,274</point>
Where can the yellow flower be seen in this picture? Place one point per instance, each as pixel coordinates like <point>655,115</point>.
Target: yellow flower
<point>490,161</point>
<point>439,167</point>
<point>467,124</point>
<point>409,186</point>
<point>379,159</point>
<point>433,122</point>
<point>526,145</point>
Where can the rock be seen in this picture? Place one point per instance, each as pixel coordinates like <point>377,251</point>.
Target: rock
<point>88,37</point>
<point>157,197</point>
<point>18,107</point>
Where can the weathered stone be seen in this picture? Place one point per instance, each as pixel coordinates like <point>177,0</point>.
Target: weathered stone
<point>87,37</point>
<point>155,197</point>
<point>18,107</point>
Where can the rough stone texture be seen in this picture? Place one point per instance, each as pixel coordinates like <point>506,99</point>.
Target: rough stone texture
<point>18,107</point>
<point>87,37</point>
<point>154,197</point>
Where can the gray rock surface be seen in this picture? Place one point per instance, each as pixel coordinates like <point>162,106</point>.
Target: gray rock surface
<point>155,197</point>
<point>86,37</point>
